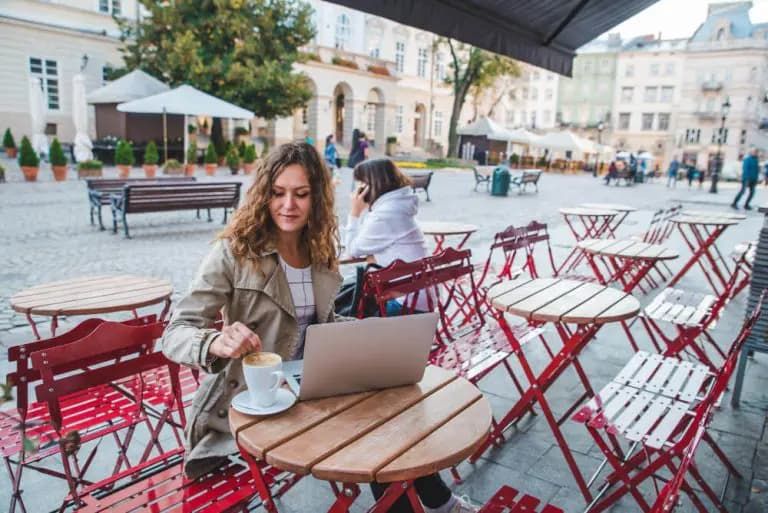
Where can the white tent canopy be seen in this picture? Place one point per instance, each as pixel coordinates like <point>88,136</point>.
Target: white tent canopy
<point>523,136</point>
<point>486,127</point>
<point>185,100</point>
<point>132,86</point>
<point>565,141</point>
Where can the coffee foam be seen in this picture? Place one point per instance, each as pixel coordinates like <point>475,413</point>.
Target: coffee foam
<point>262,359</point>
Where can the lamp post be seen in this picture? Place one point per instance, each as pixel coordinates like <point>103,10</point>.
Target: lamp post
<point>600,128</point>
<point>724,109</point>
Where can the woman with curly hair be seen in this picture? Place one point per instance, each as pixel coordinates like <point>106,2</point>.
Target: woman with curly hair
<point>271,272</point>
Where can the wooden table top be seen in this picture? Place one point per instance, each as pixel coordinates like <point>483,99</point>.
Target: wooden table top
<point>704,220</point>
<point>609,206</point>
<point>562,300</point>
<point>632,249</point>
<point>388,435</point>
<point>446,228</point>
<point>92,295</point>
<point>713,213</point>
<point>584,211</point>
<point>347,260</point>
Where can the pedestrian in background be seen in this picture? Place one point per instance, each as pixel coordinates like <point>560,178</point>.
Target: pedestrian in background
<point>750,174</point>
<point>690,172</point>
<point>331,157</point>
<point>674,167</point>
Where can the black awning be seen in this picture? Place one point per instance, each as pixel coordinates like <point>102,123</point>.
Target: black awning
<point>544,33</point>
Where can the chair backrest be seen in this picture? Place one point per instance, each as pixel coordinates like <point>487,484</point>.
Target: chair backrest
<point>398,279</point>
<point>24,376</point>
<point>523,241</point>
<point>654,227</point>
<point>667,225</point>
<point>110,353</point>
<point>510,241</point>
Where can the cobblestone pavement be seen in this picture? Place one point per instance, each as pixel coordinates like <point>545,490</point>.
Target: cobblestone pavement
<point>46,236</point>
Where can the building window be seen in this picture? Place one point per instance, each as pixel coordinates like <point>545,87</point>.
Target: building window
<point>533,119</point>
<point>743,138</point>
<point>47,71</point>
<point>720,135</point>
<point>110,6</point>
<point>650,94</point>
<point>343,31</point>
<point>438,122</point>
<point>370,112</point>
<point>647,121</point>
<point>693,135</point>
<point>304,115</point>
<point>400,56</point>
<point>548,94</point>
<point>440,66</point>
<point>546,117</point>
<point>399,119</point>
<point>550,76</point>
<point>664,121</point>
<point>510,118</point>
<point>629,71</point>
<point>667,93</point>
<point>624,118</point>
<point>587,67</point>
<point>523,117</point>
<point>525,93</point>
<point>536,75</point>
<point>655,70</point>
<point>375,52</point>
<point>669,69</point>
<point>421,68</point>
<point>626,94</point>
<point>106,73</point>
<point>534,94</point>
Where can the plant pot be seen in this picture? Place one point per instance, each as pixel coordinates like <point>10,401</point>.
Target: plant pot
<point>234,170</point>
<point>89,173</point>
<point>30,173</point>
<point>248,167</point>
<point>210,169</point>
<point>189,169</point>
<point>123,171</point>
<point>150,170</point>
<point>59,173</point>
<point>11,153</point>
<point>222,161</point>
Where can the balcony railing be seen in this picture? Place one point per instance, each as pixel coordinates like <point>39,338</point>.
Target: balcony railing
<point>350,60</point>
<point>707,114</point>
<point>711,85</point>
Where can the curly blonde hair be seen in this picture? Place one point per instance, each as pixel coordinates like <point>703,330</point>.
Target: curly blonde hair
<point>252,231</point>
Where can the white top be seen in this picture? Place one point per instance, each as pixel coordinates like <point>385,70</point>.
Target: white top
<point>388,231</point>
<point>300,283</point>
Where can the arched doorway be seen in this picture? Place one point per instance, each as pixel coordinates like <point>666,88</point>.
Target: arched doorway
<point>374,117</point>
<point>419,124</point>
<point>342,113</point>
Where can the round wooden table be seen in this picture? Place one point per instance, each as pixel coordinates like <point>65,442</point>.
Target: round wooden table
<point>91,296</point>
<point>393,435</point>
<point>628,261</point>
<point>713,213</point>
<point>440,230</point>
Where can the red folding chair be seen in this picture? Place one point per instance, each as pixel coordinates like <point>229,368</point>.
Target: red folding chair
<point>743,257</point>
<point>648,417</point>
<point>17,446</point>
<point>107,366</point>
<point>509,500</point>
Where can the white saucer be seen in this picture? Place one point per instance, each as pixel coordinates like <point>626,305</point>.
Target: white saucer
<point>242,403</point>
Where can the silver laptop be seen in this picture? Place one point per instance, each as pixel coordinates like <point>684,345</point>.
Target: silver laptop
<point>357,356</point>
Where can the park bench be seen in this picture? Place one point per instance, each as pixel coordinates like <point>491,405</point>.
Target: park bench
<point>421,181</point>
<point>528,177</point>
<point>100,189</point>
<point>163,197</point>
<point>626,175</point>
<point>483,174</point>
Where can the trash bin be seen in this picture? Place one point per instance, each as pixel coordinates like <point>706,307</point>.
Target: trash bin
<point>500,182</point>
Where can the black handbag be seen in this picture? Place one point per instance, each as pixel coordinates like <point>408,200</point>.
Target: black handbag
<point>351,294</point>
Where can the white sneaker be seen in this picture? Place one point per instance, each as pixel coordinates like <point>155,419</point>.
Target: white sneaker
<point>463,505</point>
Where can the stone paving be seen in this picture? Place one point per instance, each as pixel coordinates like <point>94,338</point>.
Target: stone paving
<point>47,236</point>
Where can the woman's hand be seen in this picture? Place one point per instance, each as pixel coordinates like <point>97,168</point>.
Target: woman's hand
<point>358,204</point>
<point>236,340</point>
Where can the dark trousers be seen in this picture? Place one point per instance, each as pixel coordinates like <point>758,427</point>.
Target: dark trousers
<point>751,184</point>
<point>431,489</point>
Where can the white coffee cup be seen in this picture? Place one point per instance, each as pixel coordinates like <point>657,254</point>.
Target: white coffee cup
<point>264,376</point>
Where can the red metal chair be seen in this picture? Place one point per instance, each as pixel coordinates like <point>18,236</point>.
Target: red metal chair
<point>658,406</point>
<point>17,447</point>
<point>743,256</point>
<point>509,500</point>
<point>107,366</point>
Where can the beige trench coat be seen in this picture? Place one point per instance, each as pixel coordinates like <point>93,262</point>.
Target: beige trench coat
<point>259,299</point>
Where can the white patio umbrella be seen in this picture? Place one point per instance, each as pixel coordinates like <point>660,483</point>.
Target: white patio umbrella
<point>564,141</point>
<point>38,109</point>
<point>187,101</point>
<point>645,156</point>
<point>83,144</point>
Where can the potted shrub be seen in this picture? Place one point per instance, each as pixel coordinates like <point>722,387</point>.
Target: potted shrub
<point>9,144</point>
<point>514,160</point>
<point>28,160</point>
<point>89,169</point>
<point>189,167</point>
<point>173,167</point>
<point>249,159</point>
<point>233,160</point>
<point>391,147</point>
<point>211,160</point>
<point>58,161</point>
<point>124,158</point>
<point>151,158</point>
<point>2,174</point>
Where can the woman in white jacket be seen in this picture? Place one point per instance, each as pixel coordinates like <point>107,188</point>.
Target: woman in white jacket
<point>388,230</point>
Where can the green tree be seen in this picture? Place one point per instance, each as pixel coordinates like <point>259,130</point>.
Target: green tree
<point>249,155</point>
<point>8,141</point>
<point>472,70</point>
<point>211,157</point>
<point>56,155</point>
<point>27,155</point>
<point>240,50</point>
<point>124,153</point>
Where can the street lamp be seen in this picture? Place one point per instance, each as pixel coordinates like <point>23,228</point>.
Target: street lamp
<point>724,109</point>
<point>600,128</point>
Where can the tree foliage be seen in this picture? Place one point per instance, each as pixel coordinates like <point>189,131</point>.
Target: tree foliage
<point>124,153</point>
<point>56,154</point>
<point>8,141</point>
<point>27,155</point>
<point>472,71</point>
<point>239,50</point>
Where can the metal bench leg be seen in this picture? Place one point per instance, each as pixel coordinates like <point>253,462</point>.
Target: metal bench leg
<point>101,222</point>
<point>225,216</point>
<point>209,215</point>
<point>91,215</point>
<point>125,226</point>
<point>426,191</point>
<point>114,221</point>
<point>197,213</point>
